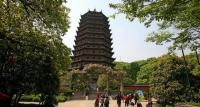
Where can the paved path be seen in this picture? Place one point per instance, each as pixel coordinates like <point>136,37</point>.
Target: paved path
<point>89,103</point>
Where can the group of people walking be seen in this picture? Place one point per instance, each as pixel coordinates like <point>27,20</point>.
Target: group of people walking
<point>132,100</point>
<point>128,100</point>
<point>103,100</point>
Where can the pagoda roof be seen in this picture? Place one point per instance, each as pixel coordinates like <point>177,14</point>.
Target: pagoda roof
<point>92,61</point>
<point>90,54</point>
<point>94,48</point>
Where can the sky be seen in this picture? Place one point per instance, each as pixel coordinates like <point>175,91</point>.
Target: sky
<point>128,37</point>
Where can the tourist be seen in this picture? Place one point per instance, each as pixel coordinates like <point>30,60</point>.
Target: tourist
<point>106,101</point>
<point>132,104</point>
<point>96,103</point>
<point>130,97</point>
<point>126,98</point>
<point>136,98</point>
<point>150,104</point>
<point>139,104</point>
<point>102,101</point>
<point>119,98</point>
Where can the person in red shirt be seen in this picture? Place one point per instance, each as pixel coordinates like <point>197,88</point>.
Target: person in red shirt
<point>126,98</point>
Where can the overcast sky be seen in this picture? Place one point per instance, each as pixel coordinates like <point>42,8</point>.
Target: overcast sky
<point>128,37</point>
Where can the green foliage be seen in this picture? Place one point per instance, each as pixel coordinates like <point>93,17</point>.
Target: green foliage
<point>92,72</point>
<point>36,98</point>
<point>169,81</point>
<point>30,98</point>
<point>184,17</point>
<point>61,98</point>
<point>181,15</point>
<point>167,76</point>
<point>196,70</point>
<point>146,70</point>
<point>121,65</point>
<point>128,68</point>
<point>31,46</point>
<point>196,104</point>
<point>102,80</point>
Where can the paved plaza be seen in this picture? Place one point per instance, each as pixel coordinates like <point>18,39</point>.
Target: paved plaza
<point>90,103</point>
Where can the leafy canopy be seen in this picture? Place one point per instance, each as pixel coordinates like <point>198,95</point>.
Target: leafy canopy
<point>183,15</point>
<point>31,30</point>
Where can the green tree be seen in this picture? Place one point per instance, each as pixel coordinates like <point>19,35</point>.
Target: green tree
<point>181,15</point>
<point>196,71</point>
<point>102,80</point>
<point>146,70</point>
<point>31,47</point>
<point>168,82</point>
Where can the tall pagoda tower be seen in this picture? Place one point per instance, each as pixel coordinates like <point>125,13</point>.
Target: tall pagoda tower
<point>93,41</point>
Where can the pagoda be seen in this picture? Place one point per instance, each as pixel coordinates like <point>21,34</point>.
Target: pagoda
<point>93,41</point>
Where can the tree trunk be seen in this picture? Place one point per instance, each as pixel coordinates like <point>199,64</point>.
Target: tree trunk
<point>15,100</point>
<point>197,56</point>
<point>183,56</point>
<point>20,95</point>
<point>187,76</point>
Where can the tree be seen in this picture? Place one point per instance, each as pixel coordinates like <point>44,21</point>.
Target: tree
<point>196,71</point>
<point>168,82</point>
<point>96,74</point>
<point>145,73</point>
<point>32,48</point>
<point>179,14</point>
<point>102,80</point>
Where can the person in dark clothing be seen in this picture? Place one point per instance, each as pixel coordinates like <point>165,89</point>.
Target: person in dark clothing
<point>136,98</point>
<point>119,98</point>
<point>106,101</point>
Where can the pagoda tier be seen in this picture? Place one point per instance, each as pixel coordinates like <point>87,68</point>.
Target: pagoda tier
<point>93,41</point>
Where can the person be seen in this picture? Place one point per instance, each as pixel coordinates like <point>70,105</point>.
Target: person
<point>139,104</point>
<point>119,98</point>
<point>130,97</point>
<point>136,98</point>
<point>96,103</point>
<point>102,101</point>
<point>149,104</point>
<point>106,101</point>
<point>132,104</point>
<point>126,98</point>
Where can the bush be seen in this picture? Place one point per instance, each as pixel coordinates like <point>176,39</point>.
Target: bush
<point>61,98</point>
<point>196,104</point>
<point>30,98</point>
<point>36,98</point>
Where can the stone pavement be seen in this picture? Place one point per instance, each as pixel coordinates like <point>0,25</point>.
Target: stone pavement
<point>90,103</point>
